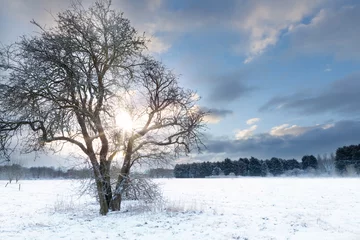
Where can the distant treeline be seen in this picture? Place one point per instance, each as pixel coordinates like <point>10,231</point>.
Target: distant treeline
<point>16,172</point>
<point>243,167</point>
<point>160,173</point>
<point>346,161</point>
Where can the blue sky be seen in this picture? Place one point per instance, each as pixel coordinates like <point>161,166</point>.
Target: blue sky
<point>292,66</point>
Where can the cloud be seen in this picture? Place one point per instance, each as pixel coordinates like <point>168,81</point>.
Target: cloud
<point>149,17</point>
<point>332,31</point>
<point>251,121</point>
<point>294,130</point>
<point>216,115</point>
<point>266,21</point>
<point>40,10</point>
<point>246,133</point>
<point>313,141</point>
<point>157,45</point>
<point>258,24</point>
<point>341,97</point>
<point>228,91</point>
<point>164,22</point>
<point>16,16</point>
<point>229,87</point>
<point>146,16</point>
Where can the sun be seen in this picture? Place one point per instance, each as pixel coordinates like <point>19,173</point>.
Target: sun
<point>123,121</point>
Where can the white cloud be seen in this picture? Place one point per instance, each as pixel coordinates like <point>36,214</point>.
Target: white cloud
<point>327,126</point>
<point>145,15</point>
<point>246,133</point>
<point>332,30</point>
<point>295,130</point>
<point>286,129</point>
<point>153,5</point>
<point>42,11</point>
<point>260,22</point>
<point>157,45</point>
<point>212,119</point>
<point>265,21</point>
<point>252,121</point>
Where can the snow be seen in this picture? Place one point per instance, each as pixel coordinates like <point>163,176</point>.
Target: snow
<point>241,208</point>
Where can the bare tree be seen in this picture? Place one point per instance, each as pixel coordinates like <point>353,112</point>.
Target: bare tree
<point>326,163</point>
<point>18,172</point>
<point>67,84</point>
<point>13,171</point>
<point>10,173</point>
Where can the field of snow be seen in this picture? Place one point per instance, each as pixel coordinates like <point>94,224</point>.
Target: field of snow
<point>242,208</point>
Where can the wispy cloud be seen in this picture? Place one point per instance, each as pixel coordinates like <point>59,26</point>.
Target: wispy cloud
<point>229,87</point>
<point>266,21</point>
<point>295,130</point>
<point>333,31</point>
<point>216,115</point>
<point>246,133</point>
<point>342,96</point>
<point>252,121</point>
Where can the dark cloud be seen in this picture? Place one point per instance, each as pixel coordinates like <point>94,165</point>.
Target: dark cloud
<point>218,112</point>
<point>342,97</point>
<point>228,91</point>
<point>335,31</point>
<point>215,115</point>
<point>316,141</point>
<point>228,88</point>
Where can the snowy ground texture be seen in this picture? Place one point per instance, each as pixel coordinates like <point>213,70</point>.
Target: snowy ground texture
<point>242,208</point>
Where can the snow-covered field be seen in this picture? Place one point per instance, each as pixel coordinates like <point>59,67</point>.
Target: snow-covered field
<point>242,208</point>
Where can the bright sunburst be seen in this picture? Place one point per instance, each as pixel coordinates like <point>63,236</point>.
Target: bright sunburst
<point>123,121</point>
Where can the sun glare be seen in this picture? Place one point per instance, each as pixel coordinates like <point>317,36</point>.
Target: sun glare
<point>123,121</point>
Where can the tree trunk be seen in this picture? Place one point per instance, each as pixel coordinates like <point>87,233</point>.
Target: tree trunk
<point>116,200</point>
<point>101,186</point>
<point>119,190</point>
<point>104,207</point>
<point>108,192</point>
<point>123,178</point>
<point>105,173</point>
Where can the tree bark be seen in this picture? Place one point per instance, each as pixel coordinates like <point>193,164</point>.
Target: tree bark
<point>123,177</point>
<point>120,185</point>
<point>116,202</point>
<point>105,173</point>
<point>104,207</point>
<point>101,186</point>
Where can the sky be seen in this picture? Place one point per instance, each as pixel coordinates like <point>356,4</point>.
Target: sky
<point>281,77</point>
